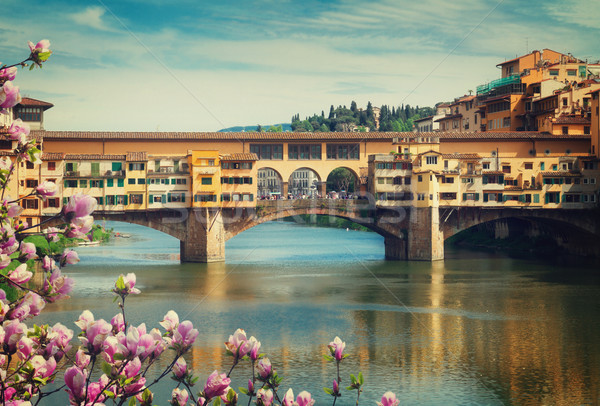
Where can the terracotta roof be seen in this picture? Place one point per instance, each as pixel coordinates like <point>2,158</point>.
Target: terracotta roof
<point>571,120</point>
<point>457,155</point>
<point>430,152</point>
<point>240,157</point>
<point>97,157</point>
<point>136,156</point>
<point>560,174</point>
<point>270,137</point>
<point>422,119</point>
<point>449,117</point>
<point>493,173</point>
<point>29,102</point>
<point>52,156</point>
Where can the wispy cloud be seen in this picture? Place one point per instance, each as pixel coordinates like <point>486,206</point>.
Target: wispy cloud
<point>91,17</point>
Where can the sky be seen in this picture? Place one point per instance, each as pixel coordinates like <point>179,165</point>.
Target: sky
<point>195,65</point>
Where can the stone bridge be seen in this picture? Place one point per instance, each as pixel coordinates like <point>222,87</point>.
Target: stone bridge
<point>410,233</point>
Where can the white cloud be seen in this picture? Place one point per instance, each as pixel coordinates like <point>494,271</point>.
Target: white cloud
<point>91,17</point>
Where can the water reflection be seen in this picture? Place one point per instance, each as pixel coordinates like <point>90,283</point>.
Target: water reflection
<point>474,329</point>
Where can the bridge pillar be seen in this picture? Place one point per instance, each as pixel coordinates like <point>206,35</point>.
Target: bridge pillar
<point>322,189</point>
<point>284,189</point>
<point>425,239</point>
<point>205,236</point>
<point>396,248</point>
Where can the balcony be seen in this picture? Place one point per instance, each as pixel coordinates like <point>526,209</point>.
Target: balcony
<point>114,174</point>
<point>71,174</point>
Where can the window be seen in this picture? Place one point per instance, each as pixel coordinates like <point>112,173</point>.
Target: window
<point>565,101</point>
<point>420,196</point>
<point>141,181</point>
<point>95,168</point>
<point>304,152</point>
<point>431,160</point>
<point>70,183</point>
<point>571,72</point>
<point>420,178</point>
<point>470,196</point>
<point>205,198</point>
<point>398,180</point>
<point>447,196</point>
<point>96,183</point>
<point>120,182</point>
<point>55,202</point>
<point>565,130</point>
<point>553,72</point>
<point>343,151</point>
<point>552,197</point>
<point>117,166</point>
<point>506,122</point>
<point>136,198</point>
<point>29,204</point>
<point>110,199</point>
<point>447,179</point>
<point>586,130</point>
<point>131,181</point>
<point>211,162</point>
<point>207,181</point>
<point>30,165</point>
<point>528,165</point>
<point>554,167</point>
<point>137,166</point>
<point>121,199</point>
<point>486,165</point>
<point>110,182</point>
<point>29,113</point>
<point>506,168</point>
<point>268,151</point>
<point>82,183</point>
<point>496,107</point>
<point>467,180</point>
<point>31,183</point>
<point>51,166</point>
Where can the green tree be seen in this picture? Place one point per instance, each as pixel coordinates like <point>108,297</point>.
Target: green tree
<point>341,179</point>
<point>275,129</point>
<point>259,128</point>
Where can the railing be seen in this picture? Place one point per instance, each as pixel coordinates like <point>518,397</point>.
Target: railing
<point>71,173</point>
<point>509,80</point>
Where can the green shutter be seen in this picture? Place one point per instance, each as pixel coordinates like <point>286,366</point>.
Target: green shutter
<point>536,198</point>
<point>117,166</point>
<point>485,197</point>
<point>564,198</point>
<point>66,183</point>
<point>231,181</point>
<point>501,180</point>
<point>75,166</point>
<point>83,183</point>
<point>164,198</point>
<point>173,181</point>
<point>101,200</point>
<point>150,198</point>
<point>251,197</point>
<point>95,168</point>
<point>476,196</point>
<point>110,182</point>
<point>126,199</point>
<point>65,201</point>
<point>130,167</point>
<point>101,183</point>
<point>500,197</point>
<point>169,197</point>
<point>522,198</point>
<point>542,166</point>
<point>485,179</point>
<point>464,196</point>
<point>183,197</point>
<point>120,182</point>
<point>250,180</point>
<point>546,198</point>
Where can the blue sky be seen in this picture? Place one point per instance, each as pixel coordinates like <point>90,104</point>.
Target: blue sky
<point>194,65</point>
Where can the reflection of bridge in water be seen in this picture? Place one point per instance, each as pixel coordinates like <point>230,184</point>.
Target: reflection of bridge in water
<point>410,233</point>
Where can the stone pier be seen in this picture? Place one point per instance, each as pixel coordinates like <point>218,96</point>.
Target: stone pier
<point>205,236</point>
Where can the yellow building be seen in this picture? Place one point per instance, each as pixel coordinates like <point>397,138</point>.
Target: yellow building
<point>238,180</point>
<point>205,174</point>
<point>135,181</point>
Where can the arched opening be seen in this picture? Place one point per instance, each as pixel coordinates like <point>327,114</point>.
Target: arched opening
<point>304,183</point>
<point>269,184</point>
<point>342,183</point>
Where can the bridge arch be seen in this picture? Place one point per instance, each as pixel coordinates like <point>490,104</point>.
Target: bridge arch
<point>269,182</point>
<point>304,181</point>
<point>343,178</point>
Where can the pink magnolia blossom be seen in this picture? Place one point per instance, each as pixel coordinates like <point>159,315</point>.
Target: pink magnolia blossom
<point>170,321</point>
<point>16,128</point>
<point>180,368</point>
<point>47,189</point>
<point>389,399</point>
<point>20,274</point>
<point>79,205</point>
<point>288,399</point>
<point>75,379</point>
<point>52,233</point>
<point>180,397</point>
<point>216,385</point>
<point>304,399</point>
<point>35,302</point>
<point>238,344</point>
<point>264,368</point>
<point>28,250</point>
<point>117,323</point>
<point>9,246</point>
<point>14,210</point>
<point>230,397</point>
<point>8,73</point>
<point>5,261</point>
<point>95,391</point>
<point>264,397</point>
<point>40,52</point>
<point>69,257</point>
<point>111,347</point>
<point>86,319</point>
<point>82,360</point>
<point>43,367</point>
<point>95,335</point>
<point>79,227</point>
<point>25,348</point>
<point>254,348</point>
<point>125,285</point>
<point>9,96</point>
<point>250,386</point>
<point>13,331</point>
<point>336,347</point>
<point>336,387</point>
<point>57,286</point>
<point>184,336</point>
<point>58,341</point>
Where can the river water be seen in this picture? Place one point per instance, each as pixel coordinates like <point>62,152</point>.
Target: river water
<point>476,328</point>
